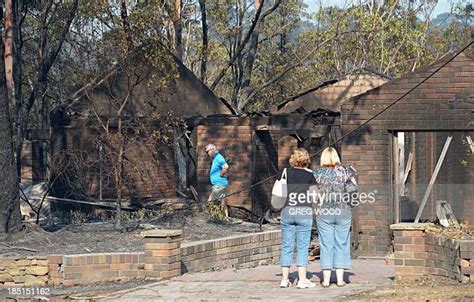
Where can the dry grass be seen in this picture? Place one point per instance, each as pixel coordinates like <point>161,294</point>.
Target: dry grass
<point>424,289</point>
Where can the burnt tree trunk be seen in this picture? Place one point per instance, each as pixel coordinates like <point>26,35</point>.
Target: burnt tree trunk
<point>10,216</point>
<point>126,25</point>
<point>46,61</point>
<point>205,42</point>
<point>178,29</point>
<point>8,50</point>
<point>119,175</point>
<point>245,84</point>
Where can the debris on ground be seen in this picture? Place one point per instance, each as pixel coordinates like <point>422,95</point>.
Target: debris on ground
<point>92,234</point>
<point>32,200</point>
<point>314,250</point>
<point>463,231</point>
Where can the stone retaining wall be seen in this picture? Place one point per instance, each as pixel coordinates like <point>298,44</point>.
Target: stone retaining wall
<point>164,257</point>
<point>419,252</point>
<point>27,271</point>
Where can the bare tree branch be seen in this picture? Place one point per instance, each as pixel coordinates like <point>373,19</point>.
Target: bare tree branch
<point>239,49</point>
<point>244,85</point>
<point>300,62</point>
<point>47,61</point>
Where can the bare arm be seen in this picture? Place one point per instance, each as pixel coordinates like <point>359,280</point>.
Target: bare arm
<point>224,170</point>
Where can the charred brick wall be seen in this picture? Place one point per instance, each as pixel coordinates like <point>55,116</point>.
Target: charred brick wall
<point>445,102</point>
<point>148,170</point>
<point>233,138</point>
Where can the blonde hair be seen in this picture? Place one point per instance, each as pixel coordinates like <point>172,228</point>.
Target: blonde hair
<point>300,158</point>
<point>330,158</point>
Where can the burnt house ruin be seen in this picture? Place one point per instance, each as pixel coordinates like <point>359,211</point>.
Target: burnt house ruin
<point>422,141</point>
<point>136,87</point>
<point>396,154</point>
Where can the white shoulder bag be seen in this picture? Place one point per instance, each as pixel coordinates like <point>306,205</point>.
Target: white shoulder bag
<point>280,192</point>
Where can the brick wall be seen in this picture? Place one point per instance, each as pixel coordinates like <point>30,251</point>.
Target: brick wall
<point>33,160</point>
<point>444,102</point>
<point>418,252</point>
<point>233,138</point>
<point>148,173</point>
<point>163,257</point>
<point>27,161</point>
<point>266,164</point>
<point>91,268</point>
<point>331,96</point>
<point>236,251</point>
<point>273,149</point>
<point>286,145</point>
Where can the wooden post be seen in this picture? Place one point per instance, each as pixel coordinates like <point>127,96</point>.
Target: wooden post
<point>433,177</point>
<point>470,142</point>
<point>401,160</point>
<point>405,174</point>
<point>396,179</point>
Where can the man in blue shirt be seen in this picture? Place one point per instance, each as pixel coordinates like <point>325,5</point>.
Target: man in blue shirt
<point>218,177</point>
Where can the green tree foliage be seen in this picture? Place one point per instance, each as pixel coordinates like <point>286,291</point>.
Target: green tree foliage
<point>295,51</point>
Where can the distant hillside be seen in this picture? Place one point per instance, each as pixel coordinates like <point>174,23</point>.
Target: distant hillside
<point>444,19</point>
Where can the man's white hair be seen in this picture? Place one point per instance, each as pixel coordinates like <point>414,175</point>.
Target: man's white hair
<point>210,147</point>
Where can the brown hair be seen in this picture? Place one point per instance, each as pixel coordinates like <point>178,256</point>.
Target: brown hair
<point>300,158</point>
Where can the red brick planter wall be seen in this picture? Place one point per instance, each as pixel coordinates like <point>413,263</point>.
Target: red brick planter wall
<point>419,252</point>
<point>235,251</point>
<point>91,268</point>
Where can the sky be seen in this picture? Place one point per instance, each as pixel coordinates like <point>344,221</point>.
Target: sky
<point>443,6</point>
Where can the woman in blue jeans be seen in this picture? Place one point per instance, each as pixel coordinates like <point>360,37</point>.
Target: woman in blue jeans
<point>334,217</point>
<point>297,219</point>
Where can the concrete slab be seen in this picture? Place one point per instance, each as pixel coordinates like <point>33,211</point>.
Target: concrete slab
<point>260,283</point>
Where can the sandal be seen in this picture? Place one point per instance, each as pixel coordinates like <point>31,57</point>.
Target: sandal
<point>325,285</point>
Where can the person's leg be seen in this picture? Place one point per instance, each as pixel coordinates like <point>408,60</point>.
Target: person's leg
<point>216,194</point>
<point>212,195</point>
<point>326,234</point>
<point>342,247</point>
<point>285,272</point>
<point>326,277</point>
<point>304,282</point>
<point>287,247</point>
<point>340,276</point>
<point>224,206</point>
<point>303,238</point>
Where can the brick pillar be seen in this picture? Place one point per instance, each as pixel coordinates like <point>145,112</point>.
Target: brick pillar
<point>162,253</point>
<point>410,250</point>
